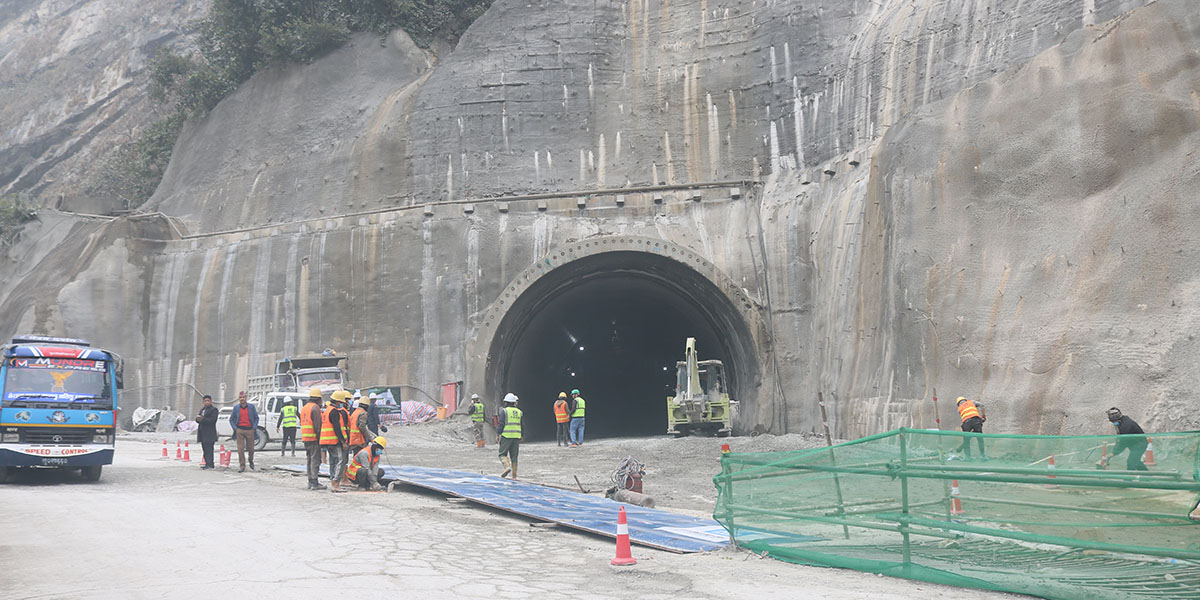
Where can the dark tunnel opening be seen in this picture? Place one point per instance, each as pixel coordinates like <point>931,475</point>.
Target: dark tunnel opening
<point>613,325</point>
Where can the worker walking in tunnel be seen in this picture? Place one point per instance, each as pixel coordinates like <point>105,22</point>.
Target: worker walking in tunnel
<point>973,416</point>
<point>578,409</point>
<point>510,434</point>
<point>310,434</point>
<point>476,412</point>
<point>289,420</point>
<point>333,437</point>
<point>562,420</point>
<point>363,469</point>
<point>1136,442</point>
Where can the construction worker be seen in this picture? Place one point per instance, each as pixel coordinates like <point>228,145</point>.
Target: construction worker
<point>562,420</point>
<point>359,432</point>
<point>289,420</point>
<point>363,469</point>
<point>476,412</point>
<point>310,434</point>
<point>510,434</point>
<point>973,417</point>
<point>578,406</point>
<point>333,437</point>
<point>1135,443</point>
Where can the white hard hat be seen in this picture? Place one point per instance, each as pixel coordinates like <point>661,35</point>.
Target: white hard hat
<point>373,396</point>
<point>357,394</point>
<point>510,398</point>
<point>474,396</point>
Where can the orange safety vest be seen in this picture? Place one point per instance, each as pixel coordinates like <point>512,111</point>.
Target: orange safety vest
<point>328,437</point>
<point>307,433</point>
<point>967,410</point>
<point>353,467</point>
<point>560,411</point>
<point>356,436</point>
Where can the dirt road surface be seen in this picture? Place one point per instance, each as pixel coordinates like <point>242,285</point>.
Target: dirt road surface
<point>165,529</point>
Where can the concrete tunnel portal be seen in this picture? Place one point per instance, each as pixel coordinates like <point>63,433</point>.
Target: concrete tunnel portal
<point>613,324</point>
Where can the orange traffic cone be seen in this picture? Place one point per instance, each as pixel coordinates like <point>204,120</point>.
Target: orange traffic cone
<point>1149,459</point>
<point>187,453</point>
<point>955,504</point>
<point>623,557</point>
<point>165,456</point>
<point>226,456</point>
<point>1051,468</point>
<point>725,449</point>
<point>178,451</point>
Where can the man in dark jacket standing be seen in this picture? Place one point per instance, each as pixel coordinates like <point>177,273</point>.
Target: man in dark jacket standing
<point>1136,442</point>
<point>206,434</point>
<point>244,420</point>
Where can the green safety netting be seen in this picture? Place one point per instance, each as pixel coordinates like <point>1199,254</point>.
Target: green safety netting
<point>1052,516</point>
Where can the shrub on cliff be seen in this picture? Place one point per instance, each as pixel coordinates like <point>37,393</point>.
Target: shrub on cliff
<point>238,38</point>
<point>15,211</point>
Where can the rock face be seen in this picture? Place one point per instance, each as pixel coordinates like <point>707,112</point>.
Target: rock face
<point>879,202</point>
<point>70,89</point>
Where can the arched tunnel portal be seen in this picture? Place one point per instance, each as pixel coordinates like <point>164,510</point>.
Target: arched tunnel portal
<point>611,317</point>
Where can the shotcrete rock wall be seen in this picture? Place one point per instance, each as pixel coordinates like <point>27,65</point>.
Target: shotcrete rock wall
<point>71,88</point>
<point>954,197</point>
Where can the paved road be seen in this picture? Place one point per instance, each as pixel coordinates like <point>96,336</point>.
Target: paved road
<point>154,529</point>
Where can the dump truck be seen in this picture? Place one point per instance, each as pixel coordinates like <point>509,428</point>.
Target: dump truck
<point>293,378</point>
<point>701,402</point>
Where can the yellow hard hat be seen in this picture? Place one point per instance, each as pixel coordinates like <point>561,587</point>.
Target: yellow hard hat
<point>960,400</point>
<point>314,393</point>
<point>562,394</point>
<point>339,396</point>
<point>380,441</point>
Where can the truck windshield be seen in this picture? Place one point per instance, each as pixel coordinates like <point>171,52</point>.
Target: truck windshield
<point>315,378</point>
<point>74,382</point>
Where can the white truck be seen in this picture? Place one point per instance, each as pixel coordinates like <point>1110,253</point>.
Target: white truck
<point>293,378</point>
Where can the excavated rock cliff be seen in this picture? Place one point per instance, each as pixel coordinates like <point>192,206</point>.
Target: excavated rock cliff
<point>988,199</point>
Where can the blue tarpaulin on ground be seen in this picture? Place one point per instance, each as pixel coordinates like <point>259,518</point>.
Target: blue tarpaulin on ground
<point>647,526</point>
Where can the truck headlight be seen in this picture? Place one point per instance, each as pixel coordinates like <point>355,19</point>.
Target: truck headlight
<point>100,439</point>
<point>10,437</point>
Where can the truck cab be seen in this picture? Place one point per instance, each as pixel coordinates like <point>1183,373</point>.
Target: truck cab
<point>58,403</point>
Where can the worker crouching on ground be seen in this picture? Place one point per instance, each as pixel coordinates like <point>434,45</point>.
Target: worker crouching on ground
<point>334,440</point>
<point>510,435</point>
<point>364,469</point>
<point>973,417</point>
<point>1135,445</point>
<point>578,406</point>
<point>562,420</point>
<point>476,412</point>
<point>310,433</point>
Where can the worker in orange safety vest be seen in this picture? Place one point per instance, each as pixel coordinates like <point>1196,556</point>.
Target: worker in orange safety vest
<point>562,420</point>
<point>363,469</point>
<point>334,439</point>
<point>973,416</point>
<point>310,433</point>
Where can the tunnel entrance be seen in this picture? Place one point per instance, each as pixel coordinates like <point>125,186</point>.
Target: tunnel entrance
<point>613,325</point>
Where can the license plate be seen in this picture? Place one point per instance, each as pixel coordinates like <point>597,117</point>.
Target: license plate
<point>54,461</point>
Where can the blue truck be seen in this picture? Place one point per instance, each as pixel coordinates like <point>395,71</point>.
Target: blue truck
<point>58,405</point>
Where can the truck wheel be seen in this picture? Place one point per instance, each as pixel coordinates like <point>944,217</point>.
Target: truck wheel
<point>262,440</point>
<point>91,473</point>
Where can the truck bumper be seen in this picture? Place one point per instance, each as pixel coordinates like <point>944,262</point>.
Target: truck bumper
<point>37,455</point>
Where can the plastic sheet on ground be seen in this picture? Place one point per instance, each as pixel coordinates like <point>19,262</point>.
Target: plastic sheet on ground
<point>647,526</point>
